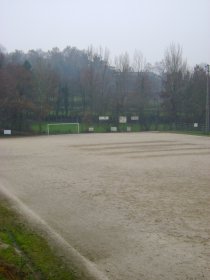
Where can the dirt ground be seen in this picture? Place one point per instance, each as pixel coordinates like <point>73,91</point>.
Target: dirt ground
<point>136,205</point>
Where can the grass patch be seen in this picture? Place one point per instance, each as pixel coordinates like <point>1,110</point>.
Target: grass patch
<point>24,254</point>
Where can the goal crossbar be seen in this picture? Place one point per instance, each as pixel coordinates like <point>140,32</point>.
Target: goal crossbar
<point>57,124</point>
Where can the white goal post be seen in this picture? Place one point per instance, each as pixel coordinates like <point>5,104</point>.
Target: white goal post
<point>57,124</point>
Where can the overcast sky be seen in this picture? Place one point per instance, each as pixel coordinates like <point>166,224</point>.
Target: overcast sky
<point>121,25</point>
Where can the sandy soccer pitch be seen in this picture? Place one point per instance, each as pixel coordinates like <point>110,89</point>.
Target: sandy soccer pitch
<point>136,206</point>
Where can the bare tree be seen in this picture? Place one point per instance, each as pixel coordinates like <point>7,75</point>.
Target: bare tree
<point>139,62</point>
<point>142,84</point>
<point>173,60</point>
<point>95,80</point>
<point>45,87</point>
<point>123,69</point>
<point>175,71</point>
<point>105,79</point>
<point>16,99</point>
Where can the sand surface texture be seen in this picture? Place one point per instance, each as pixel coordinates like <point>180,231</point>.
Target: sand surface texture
<point>136,205</point>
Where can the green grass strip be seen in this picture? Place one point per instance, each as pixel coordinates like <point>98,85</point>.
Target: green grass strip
<point>24,254</point>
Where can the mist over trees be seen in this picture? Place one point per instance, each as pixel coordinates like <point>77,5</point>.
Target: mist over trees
<point>80,85</point>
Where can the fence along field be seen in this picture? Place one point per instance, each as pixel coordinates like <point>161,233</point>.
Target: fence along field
<point>105,125</point>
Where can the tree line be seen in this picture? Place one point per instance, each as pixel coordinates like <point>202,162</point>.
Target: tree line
<point>80,85</point>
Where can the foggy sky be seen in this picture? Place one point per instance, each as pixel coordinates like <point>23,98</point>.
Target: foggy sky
<point>120,25</point>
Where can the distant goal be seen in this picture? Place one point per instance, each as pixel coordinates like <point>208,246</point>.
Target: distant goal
<point>62,128</point>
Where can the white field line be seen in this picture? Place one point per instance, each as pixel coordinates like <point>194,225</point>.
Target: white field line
<point>83,265</point>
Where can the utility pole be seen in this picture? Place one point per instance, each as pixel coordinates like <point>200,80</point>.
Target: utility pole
<point>207,99</point>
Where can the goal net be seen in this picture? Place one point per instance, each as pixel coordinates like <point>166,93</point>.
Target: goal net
<point>62,128</point>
